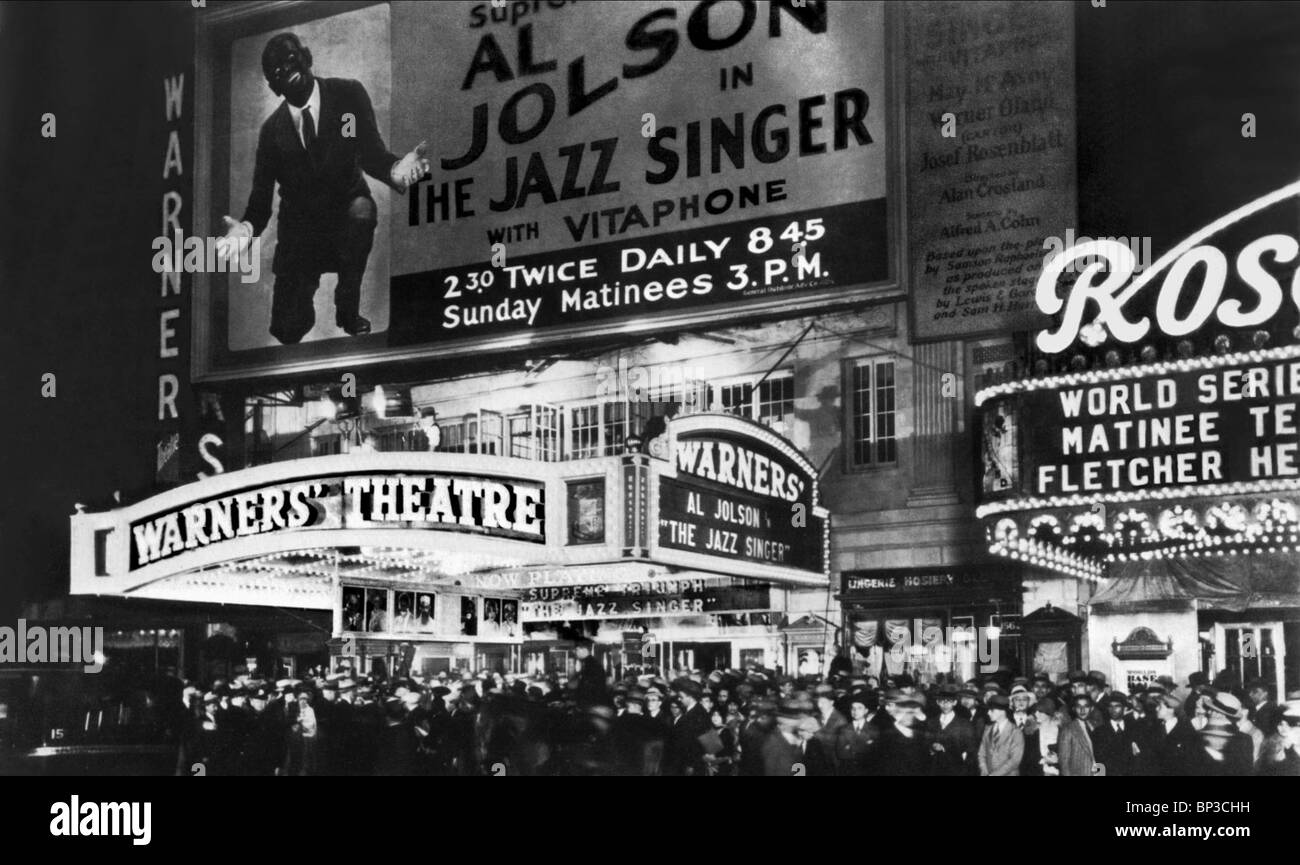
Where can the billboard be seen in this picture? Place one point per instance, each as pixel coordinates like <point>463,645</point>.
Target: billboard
<point>644,168</point>
<point>990,160</point>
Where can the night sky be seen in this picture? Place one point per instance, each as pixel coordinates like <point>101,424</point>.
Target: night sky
<point>80,296</point>
<point>1164,85</point>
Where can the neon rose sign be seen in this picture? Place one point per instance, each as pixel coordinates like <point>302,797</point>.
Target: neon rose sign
<point>1176,265</point>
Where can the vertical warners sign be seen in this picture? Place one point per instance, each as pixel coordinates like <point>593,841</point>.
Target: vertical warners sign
<point>990,159</point>
<point>615,162</point>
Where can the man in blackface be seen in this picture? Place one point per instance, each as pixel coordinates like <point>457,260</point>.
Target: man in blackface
<point>316,146</point>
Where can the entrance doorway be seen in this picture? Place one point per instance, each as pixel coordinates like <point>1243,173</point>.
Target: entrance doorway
<point>705,657</point>
<point>1252,650</point>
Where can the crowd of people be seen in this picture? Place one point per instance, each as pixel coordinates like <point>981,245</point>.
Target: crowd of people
<point>753,722</point>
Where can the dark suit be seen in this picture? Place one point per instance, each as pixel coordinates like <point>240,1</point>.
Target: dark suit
<point>855,752</point>
<point>817,757</point>
<point>1265,717</point>
<point>684,754</point>
<point>264,747</point>
<point>1031,762</point>
<point>960,747</point>
<point>639,744</point>
<point>752,736</point>
<point>978,718</point>
<point>395,754</point>
<point>901,756</point>
<point>327,215</point>
<point>830,731</point>
<point>1168,753</point>
<point>1114,749</point>
<point>779,756</point>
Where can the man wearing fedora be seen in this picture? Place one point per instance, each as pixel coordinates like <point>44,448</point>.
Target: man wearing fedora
<point>1098,690</point>
<point>638,741</point>
<point>1224,749</point>
<point>970,708</point>
<point>1003,745</point>
<point>1168,742</point>
<point>1074,743</point>
<point>903,747</point>
<point>685,754</point>
<point>855,745</point>
<point>781,751</point>
<point>829,719</point>
<point>1115,739</point>
<point>953,746</point>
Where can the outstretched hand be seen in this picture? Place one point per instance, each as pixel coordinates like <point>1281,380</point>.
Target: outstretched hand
<point>411,167</point>
<point>232,246</point>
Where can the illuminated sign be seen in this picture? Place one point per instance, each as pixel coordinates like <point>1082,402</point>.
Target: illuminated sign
<point>1187,428</point>
<point>500,507</point>
<point>626,167</point>
<point>666,597</point>
<point>1109,284</point>
<point>740,499</point>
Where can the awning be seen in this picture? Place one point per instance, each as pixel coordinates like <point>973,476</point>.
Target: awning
<point>1227,583</point>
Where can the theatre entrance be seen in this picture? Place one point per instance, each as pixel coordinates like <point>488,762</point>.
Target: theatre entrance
<point>705,657</point>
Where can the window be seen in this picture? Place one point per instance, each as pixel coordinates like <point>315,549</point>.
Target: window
<point>768,401</point>
<point>872,405</point>
<point>775,398</point>
<point>484,431</point>
<point>616,422</point>
<point>584,432</point>
<point>327,445</point>
<point>547,423</point>
<point>736,399</point>
<point>452,438</point>
<point>534,433</point>
<point>520,427</point>
<point>400,439</point>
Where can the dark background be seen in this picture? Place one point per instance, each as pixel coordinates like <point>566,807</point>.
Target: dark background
<point>1161,90</point>
<point>80,298</point>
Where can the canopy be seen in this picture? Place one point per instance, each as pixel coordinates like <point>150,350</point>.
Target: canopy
<point>1230,582</point>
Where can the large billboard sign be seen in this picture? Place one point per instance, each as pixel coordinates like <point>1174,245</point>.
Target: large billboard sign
<point>709,156</point>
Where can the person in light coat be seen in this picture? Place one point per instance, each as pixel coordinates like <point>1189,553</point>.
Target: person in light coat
<point>1074,742</point>
<point>1003,745</point>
